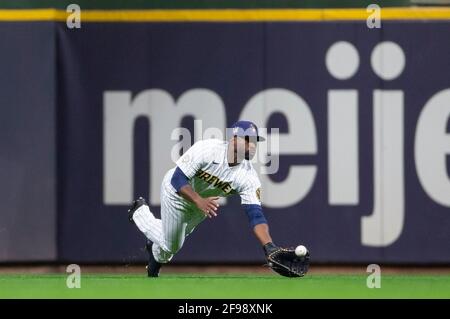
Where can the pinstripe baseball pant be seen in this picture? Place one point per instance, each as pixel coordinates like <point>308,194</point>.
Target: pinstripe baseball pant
<point>178,219</point>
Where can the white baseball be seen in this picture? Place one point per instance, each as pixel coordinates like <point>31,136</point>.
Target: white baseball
<point>300,250</point>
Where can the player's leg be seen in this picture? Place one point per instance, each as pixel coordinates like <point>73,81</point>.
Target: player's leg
<point>179,218</point>
<point>147,223</point>
<point>167,233</point>
<point>177,225</point>
<point>159,246</point>
<point>174,219</point>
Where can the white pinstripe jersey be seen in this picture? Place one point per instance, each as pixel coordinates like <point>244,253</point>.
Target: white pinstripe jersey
<point>206,166</point>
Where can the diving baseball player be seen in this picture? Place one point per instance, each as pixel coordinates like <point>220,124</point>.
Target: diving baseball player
<point>190,191</point>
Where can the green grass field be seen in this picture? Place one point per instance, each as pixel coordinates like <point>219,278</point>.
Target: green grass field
<point>224,286</point>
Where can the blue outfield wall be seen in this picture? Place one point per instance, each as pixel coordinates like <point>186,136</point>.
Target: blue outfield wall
<point>364,139</point>
<point>27,142</point>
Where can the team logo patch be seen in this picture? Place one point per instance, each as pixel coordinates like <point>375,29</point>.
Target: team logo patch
<point>258,193</point>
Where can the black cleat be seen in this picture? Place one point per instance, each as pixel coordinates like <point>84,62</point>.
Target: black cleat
<point>136,204</point>
<point>153,266</point>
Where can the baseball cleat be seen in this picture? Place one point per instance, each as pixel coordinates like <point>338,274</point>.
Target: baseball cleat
<point>134,207</point>
<point>153,266</point>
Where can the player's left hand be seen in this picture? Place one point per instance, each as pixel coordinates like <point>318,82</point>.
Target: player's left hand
<point>208,206</point>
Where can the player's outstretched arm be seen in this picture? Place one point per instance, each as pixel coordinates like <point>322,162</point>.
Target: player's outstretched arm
<point>258,223</point>
<point>262,233</point>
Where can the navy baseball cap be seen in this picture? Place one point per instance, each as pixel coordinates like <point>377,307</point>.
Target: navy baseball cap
<point>246,128</point>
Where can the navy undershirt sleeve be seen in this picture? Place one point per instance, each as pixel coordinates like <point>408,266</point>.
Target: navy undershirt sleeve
<point>179,179</point>
<point>255,214</point>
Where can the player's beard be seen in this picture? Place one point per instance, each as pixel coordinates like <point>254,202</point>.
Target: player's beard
<point>242,152</point>
<point>249,155</point>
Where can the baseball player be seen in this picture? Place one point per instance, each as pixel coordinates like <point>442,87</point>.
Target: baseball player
<point>190,191</point>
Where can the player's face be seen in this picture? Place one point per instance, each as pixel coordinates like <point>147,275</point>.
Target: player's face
<point>245,148</point>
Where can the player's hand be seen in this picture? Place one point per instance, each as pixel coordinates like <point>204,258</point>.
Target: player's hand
<point>270,248</point>
<point>208,206</point>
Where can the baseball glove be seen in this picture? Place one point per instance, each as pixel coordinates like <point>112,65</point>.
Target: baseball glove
<point>285,262</point>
